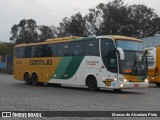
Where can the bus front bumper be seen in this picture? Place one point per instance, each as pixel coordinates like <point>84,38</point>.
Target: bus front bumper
<point>126,85</point>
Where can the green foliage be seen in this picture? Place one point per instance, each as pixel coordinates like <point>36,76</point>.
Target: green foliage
<point>118,18</point>
<point>6,48</point>
<point>73,26</point>
<point>24,32</point>
<point>114,18</point>
<point>46,32</point>
<point>143,21</point>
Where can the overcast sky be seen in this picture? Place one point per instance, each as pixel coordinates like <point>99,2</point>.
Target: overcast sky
<point>50,12</point>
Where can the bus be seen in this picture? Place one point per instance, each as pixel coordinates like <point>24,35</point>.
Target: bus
<point>109,61</point>
<point>154,65</point>
<point>6,63</point>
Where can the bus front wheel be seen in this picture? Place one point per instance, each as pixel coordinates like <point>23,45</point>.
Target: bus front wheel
<point>34,79</point>
<point>91,82</point>
<point>117,90</point>
<point>27,79</point>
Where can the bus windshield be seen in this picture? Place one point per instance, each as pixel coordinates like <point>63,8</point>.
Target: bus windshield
<point>135,63</point>
<point>129,45</point>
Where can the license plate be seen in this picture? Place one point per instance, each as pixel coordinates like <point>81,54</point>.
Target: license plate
<point>136,85</point>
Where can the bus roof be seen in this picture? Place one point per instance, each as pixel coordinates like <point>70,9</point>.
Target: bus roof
<point>117,37</point>
<point>78,38</point>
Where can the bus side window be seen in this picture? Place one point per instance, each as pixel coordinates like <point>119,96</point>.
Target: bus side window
<point>27,51</point>
<point>63,49</point>
<point>37,51</point>
<point>76,48</point>
<point>16,52</point>
<point>20,52</point>
<point>92,47</point>
<point>51,50</point>
<point>112,61</point>
<point>33,51</point>
<point>109,54</point>
<point>40,51</point>
<point>47,51</point>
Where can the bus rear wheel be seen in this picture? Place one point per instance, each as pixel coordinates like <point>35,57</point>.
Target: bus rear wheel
<point>92,83</point>
<point>27,79</point>
<point>34,79</point>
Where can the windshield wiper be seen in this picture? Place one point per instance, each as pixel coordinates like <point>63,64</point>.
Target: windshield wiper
<point>140,65</point>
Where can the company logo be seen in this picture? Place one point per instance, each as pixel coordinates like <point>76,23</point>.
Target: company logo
<point>41,62</point>
<point>21,114</point>
<point>6,114</point>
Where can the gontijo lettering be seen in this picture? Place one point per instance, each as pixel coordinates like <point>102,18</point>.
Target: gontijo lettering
<point>41,62</point>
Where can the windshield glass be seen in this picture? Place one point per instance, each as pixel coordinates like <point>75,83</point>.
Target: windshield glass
<point>129,45</point>
<point>135,63</point>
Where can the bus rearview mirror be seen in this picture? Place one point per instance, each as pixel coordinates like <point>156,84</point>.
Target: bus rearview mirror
<point>121,53</point>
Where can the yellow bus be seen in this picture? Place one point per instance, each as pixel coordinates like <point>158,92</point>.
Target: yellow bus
<point>113,62</point>
<point>154,65</point>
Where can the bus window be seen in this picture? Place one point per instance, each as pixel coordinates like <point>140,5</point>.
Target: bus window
<point>92,47</point>
<point>37,51</point>
<point>63,49</point>
<point>109,54</point>
<point>19,52</point>
<point>51,50</point>
<point>33,51</point>
<point>112,61</point>
<point>42,51</point>
<point>16,52</point>
<point>27,51</point>
<point>76,48</point>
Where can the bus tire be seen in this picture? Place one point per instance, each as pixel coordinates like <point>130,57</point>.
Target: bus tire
<point>27,79</point>
<point>34,79</point>
<point>117,90</point>
<point>91,82</point>
<point>54,84</point>
<point>158,84</point>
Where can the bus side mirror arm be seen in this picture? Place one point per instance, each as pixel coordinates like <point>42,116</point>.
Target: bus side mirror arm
<point>121,53</point>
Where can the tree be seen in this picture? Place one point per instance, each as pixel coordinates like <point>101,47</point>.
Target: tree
<point>115,16</point>
<point>94,21</point>
<point>6,48</point>
<point>144,22</point>
<point>112,18</point>
<point>46,32</point>
<point>24,32</point>
<point>118,18</point>
<point>75,25</point>
<point>3,49</point>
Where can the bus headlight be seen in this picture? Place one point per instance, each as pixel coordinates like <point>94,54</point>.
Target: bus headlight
<point>121,85</point>
<point>146,80</point>
<point>125,80</point>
